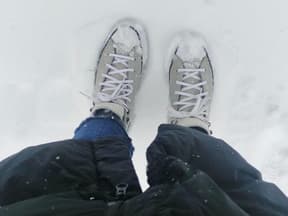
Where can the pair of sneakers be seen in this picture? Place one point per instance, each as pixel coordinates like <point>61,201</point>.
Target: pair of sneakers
<point>120,68</point>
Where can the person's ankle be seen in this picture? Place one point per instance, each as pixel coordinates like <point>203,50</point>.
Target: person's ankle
<point>106,113</point>
<point>193,122</point>
<point>201,130</point>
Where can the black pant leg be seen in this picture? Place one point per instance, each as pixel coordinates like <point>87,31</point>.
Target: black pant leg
<point>232,173</point>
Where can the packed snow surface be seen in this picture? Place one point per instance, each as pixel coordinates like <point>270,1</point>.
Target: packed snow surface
<point>48,52</point>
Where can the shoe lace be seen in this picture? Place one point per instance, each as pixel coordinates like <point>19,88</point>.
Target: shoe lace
<point>196,103</point>
<point>116,86</point>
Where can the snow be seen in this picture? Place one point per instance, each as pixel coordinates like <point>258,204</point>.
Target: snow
<point>190,47</point>
<point>48,52</point>
<point>127,38</point>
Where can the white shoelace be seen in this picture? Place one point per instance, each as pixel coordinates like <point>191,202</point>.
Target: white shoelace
<point>198,103</point>
<point>120,88</point>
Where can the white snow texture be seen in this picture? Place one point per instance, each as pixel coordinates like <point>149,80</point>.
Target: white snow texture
<point>48,52</point>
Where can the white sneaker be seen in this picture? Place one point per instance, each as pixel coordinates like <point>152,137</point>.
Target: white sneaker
<point>119,69</point>
<point>191,82</point>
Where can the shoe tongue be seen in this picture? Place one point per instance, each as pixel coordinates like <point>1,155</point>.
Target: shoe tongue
<point>195,64</point>
<point>192,63</point>
<point>122,49</point>
<point>119,49</point>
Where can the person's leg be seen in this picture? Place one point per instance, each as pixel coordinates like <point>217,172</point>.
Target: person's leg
<point>191,83</point>
<point>102,124</point>
<point>117,80</point>
<point>194,150</point>
<point>186,144</point>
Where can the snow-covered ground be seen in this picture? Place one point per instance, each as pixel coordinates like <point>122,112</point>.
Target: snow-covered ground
<point>48,50</point>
